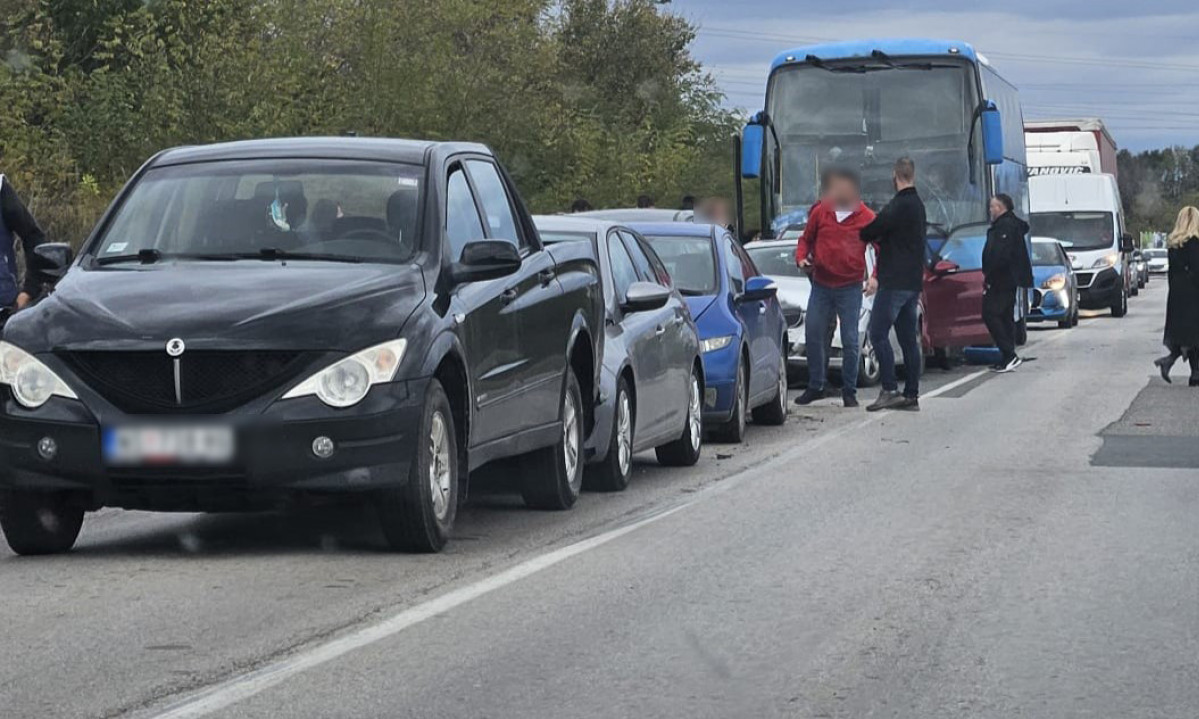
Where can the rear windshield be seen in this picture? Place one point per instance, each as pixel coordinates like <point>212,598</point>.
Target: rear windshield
<point>689,260</point>
<point>323,209</point>
<point>778,260</point>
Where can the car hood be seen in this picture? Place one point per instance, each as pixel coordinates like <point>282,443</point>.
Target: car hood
<point>242,305</point>
<point>700,305</point>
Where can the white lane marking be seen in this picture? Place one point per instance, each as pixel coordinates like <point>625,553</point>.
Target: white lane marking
<point>231,691</point>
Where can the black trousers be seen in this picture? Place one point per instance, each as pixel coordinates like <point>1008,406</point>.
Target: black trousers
<point>999,312</point>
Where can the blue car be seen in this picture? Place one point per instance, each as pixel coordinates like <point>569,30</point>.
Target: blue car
<point>1055,290</point>
<point>741,327</point>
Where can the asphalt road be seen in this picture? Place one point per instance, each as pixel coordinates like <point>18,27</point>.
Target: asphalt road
<point>969,560</point>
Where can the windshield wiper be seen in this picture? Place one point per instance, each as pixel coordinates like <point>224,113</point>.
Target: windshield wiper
<point>271,254</point>
<point>147,257</point>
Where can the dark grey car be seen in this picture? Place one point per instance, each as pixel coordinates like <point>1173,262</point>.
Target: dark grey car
<point>651,378</point>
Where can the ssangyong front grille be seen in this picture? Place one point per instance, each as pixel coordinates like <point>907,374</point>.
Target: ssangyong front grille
<point>209,382</point>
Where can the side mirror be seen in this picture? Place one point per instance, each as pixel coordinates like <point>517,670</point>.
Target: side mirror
<point>992,126</point>
<point>486,260</point>
<point>759,289</point>
<point>1126,243</point>
<point>752,139</point>
<point>645,296</point>
<point>945,267</point>
<point>50,261</point>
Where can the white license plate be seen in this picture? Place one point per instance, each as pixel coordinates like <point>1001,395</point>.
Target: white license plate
<point>188,445</point>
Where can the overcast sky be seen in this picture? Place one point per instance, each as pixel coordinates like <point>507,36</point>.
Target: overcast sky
<point>1133,63</point>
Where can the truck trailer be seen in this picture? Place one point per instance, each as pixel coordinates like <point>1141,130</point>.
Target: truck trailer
<point>1069,147</point>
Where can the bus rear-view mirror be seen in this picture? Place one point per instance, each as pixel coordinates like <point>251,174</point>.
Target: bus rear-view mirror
<point>992,126</point>
<point>752,138</point>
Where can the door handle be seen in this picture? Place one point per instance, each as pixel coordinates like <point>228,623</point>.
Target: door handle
<point>546,276</point>
<point>508,295</point>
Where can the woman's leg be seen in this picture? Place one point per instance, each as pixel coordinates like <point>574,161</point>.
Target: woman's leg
<point>1165,363</point>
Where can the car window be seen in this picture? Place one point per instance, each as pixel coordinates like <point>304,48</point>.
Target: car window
<point>735,269</point>
<point>690,260</point>
<point>501,222</point>
<point>1046,253</point>
<point>775,260</point>
<point>462,223</point>
<point>624,274</point>
<point>661,275</point>
<point>645,272</point>
<point>966,251</point>
<point>748,268</point>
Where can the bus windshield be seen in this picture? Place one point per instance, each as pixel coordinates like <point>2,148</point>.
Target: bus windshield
<point>867,116</point>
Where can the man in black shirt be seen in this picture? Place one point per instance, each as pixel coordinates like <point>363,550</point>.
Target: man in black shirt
<point>15,219</point>
<point>899,232</point>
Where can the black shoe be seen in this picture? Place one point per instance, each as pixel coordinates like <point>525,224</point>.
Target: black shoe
<point>1164,364</point>
<point>809,396</point>
<point>910,404</point>
<point>1194,382</point>
<point>1010,365</point>
<point>886,400</point>
<point>849,401</point>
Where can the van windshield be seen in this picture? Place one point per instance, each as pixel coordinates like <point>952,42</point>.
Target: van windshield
<point>1076,230</point>
<point>302,209</point>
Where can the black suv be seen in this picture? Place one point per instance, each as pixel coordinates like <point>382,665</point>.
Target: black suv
<point>256,321</point>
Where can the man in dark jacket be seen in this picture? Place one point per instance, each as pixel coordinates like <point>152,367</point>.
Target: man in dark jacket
<point>1006,268</point>
<point>899,234</point>
<point>15,219</point>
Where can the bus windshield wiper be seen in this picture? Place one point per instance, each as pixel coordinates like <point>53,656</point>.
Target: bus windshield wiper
<point>146,257</point>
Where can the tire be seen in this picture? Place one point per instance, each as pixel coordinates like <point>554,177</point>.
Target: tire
<point>553,477</point>
<point>774,412</point>
<point>612,474</point>
<point>685,451</point>
<point>1022,333</point>
<point>39,523</point>
<point>1066,323</point>
<point>420,516</point>
<point>1136,289</point>
<point>942,359</point>
<point>869,371</point>
<point>733,431</point>
<point>1121,307</point>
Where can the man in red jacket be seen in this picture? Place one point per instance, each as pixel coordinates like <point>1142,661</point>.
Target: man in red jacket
<point>832,253</point>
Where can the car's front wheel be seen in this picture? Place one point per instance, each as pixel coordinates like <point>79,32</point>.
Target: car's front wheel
<point>40,522</point>
<point>553,477</point>
<point>419,516</point>
<point>613,473</point>
<point>684,451</point>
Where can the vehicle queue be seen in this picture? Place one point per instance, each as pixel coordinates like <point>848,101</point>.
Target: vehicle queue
<point>400,319</point>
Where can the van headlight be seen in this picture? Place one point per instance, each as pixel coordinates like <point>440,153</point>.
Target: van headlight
<point>715,343</point>
<point>32,383</point>
<point>347,382</point>
<point>1106,261</point>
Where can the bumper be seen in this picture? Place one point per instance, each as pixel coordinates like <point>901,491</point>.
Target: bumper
<point>274,459</point>
<point>720,387</point>
<point>1049,305</point>
<point>1103,291</point>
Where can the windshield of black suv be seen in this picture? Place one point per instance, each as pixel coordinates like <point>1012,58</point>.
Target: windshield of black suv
<point>302,209</point>
<point>1076,230</point>
<point>689,261</point>
<point>778,260</point>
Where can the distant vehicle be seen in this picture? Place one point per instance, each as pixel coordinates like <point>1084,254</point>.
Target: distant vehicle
<point>1055,297</point>
<point>1071,146</point>
<point>865,103</point>
<point>1084,214</point>
<point>1158,261</point>
<point>1140,265</point>
<point>640,214</point>
<point>652,378</point>
<point>776,259</point>
<point>216,347</point>
<point>742,331</point>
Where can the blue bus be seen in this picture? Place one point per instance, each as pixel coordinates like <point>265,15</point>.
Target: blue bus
<point>865,103</point>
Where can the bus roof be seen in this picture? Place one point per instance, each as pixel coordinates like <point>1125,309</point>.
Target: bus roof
<point>897,47</point>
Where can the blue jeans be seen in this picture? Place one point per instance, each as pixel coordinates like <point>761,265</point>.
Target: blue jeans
<point>823,304</point>
<point>898,308</point>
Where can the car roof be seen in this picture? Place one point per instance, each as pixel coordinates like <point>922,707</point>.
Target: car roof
<point>673,229</point>
<point>571,223</point>
<point>334,148</point>
<point>641,214</point>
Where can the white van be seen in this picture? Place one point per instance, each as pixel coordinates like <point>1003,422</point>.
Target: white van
<point>1084,213</point>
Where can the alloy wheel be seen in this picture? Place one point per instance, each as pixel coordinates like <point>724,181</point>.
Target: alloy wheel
<point>439,466</point>
<point>695,420</point>
<point>570,441</point>
<point>624,434</point>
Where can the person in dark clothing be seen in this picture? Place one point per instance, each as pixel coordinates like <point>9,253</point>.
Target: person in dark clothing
<point>16,220</point>
<point>580,205</point>
<point>1182,305</point>
<point>899,234</point>
<point>1006,268</point>
<point>645,202</point>
<point>688,202</point>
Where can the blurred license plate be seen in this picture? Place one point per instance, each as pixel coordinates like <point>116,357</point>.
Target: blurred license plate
<point>168,445</point>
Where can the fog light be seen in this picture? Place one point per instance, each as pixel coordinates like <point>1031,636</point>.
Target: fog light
<point>323,447</point>
<point>47,448</point>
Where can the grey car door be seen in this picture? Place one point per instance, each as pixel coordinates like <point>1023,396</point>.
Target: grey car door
<point>677,353</point>
<point>639,332</point>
